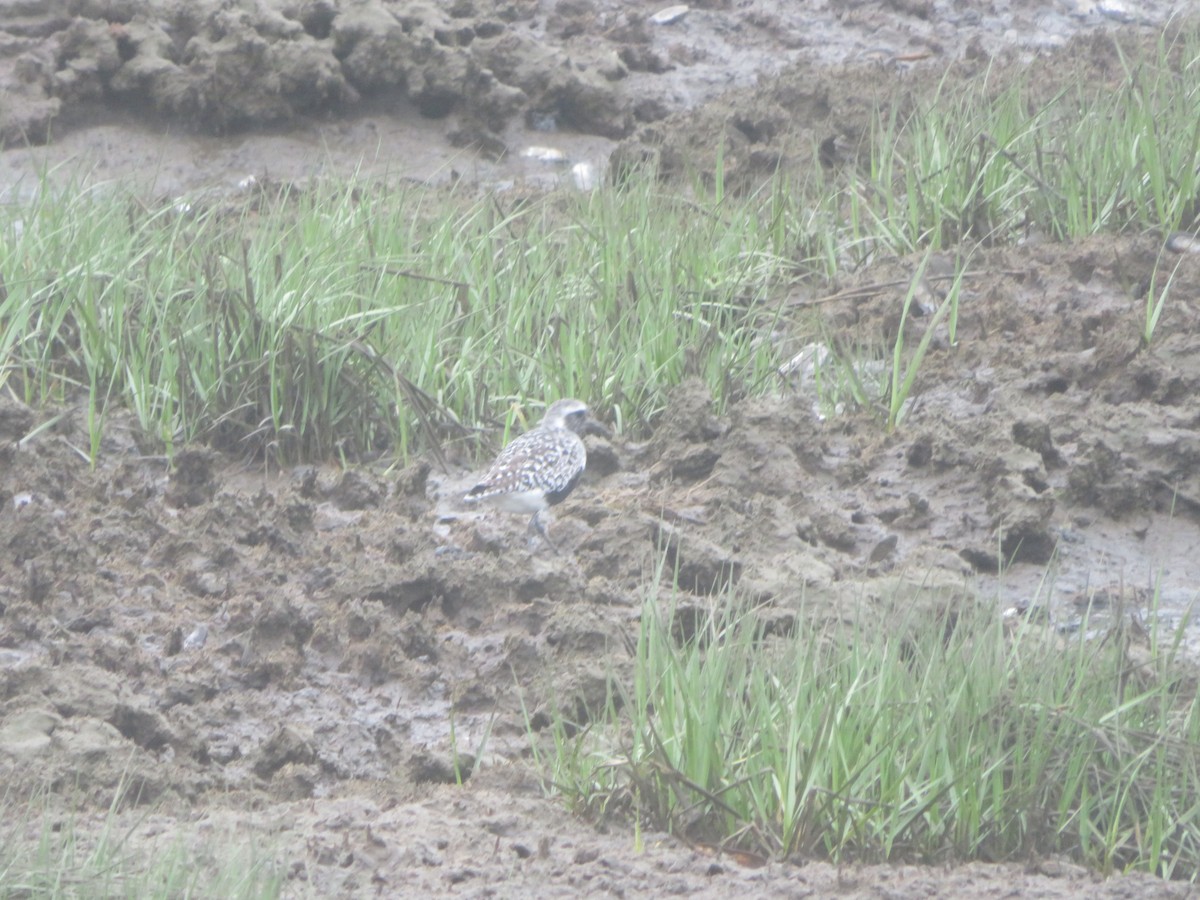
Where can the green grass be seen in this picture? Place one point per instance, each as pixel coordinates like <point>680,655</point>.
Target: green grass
<point>338,319</point>
<point>351,319</point>
<point>1156,298</point>
<point>988,162</point>
<point>44,856</point>
<point>905,366</point>
<point>946,737</point>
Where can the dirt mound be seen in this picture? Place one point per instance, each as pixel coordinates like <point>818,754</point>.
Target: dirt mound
<point>226,67</point>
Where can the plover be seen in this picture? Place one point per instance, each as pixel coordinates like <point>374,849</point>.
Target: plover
<point>541,467</point>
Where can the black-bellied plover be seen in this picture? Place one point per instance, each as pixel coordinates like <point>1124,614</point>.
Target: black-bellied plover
<point>542,466</point>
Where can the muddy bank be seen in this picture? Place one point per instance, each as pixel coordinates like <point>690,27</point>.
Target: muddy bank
<point>281,656</point>
<point>441,90</point>
<point>221,639</point>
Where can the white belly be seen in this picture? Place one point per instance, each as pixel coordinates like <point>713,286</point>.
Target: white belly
<point>525,502</point>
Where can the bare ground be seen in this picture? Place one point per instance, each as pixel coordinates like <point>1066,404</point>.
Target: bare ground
<point>279,656</point>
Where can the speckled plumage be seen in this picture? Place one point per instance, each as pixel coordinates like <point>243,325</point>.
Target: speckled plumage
<point>541,467</point>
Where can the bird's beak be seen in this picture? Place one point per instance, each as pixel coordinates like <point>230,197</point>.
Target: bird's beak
<point>595,426</point>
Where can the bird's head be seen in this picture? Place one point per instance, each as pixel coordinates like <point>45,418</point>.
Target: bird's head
<point>573,415</point>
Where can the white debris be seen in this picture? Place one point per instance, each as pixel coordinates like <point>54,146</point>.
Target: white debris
<point>1115,9</point>
<point>544,154</point>
<point>1110,9</point>
<point>806,362</point>
<point>1182,242</point>
<point>196,639</point>
<point>669,15</point>
<point>584,176</point>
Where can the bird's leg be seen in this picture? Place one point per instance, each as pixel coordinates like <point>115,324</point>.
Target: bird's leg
<point>536,524</point>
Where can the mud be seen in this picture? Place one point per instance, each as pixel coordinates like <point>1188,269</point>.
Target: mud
<point>289,652</point>
<point>436,91</point>
<point>311,661</point>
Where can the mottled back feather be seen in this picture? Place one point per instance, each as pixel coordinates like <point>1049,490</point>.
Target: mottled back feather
<point>549,459</point>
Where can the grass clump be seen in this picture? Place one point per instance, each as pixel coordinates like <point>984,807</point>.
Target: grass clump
<point>340,318</point>
<point>992,161</point>
<point>905,366</point>
<point>360,317</point>
<point>949,738</point>
<point>44,859</point>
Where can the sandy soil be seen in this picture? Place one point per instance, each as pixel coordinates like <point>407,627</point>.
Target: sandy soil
<point>279,655</point>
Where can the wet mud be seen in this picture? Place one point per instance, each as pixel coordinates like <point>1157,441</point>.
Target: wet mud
<point>437,91</point>
<point>248,645</point>
<point>314,659</point>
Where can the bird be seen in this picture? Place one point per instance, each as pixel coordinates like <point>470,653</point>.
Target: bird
<point>541,467</point>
